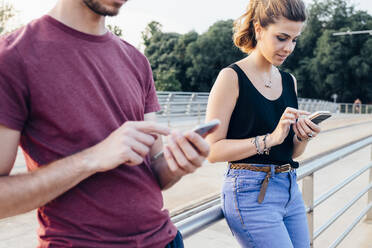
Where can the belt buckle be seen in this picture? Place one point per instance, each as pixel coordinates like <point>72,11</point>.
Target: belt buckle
<point>289,169</point>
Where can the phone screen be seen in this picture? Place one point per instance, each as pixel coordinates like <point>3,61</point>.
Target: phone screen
<point>319,118</point>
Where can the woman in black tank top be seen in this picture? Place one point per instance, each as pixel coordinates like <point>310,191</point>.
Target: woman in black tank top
<point>262,130</point>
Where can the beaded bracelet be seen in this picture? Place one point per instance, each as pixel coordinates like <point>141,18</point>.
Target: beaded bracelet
<point>257,144</point>
<point>266,149</point>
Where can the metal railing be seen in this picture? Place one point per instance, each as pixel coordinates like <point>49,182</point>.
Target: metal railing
<point>348,108</point>
<point>313,105</point>
<point>194,220</point>
<point>194,104</point>
<point>182,104</point>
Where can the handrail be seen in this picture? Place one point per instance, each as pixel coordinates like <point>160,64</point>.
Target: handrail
<point>351,227</point>
<point>340,186</point>
<point>341,212</point>
<point>208,216</point>
<point>200,221</point>
<point>170,100</point>
<point>317,164</point>
<point>205,205</point>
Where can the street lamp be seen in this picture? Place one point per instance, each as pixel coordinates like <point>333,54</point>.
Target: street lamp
<point>334,96</point>
<point>353,32</point>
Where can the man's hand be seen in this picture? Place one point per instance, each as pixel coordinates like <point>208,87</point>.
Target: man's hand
<point>185,153</point>
<point>129,145</point>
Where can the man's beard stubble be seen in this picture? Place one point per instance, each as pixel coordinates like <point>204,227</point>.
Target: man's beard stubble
<point>99,9</point>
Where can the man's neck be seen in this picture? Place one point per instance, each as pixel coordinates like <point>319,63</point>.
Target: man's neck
<point>77,15</point>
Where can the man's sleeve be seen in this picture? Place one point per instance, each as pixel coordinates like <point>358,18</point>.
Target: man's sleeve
<point>151,99</point>
<point>13,89</point>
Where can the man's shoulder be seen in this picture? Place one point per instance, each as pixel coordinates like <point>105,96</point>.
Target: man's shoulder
<point>11,43</point>
<point>133,52</point>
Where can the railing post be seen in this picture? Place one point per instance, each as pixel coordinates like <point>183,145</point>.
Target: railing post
<point>199,113</point>
<point>369,214</point>
<point>169,102</point>
<point>308,195</point>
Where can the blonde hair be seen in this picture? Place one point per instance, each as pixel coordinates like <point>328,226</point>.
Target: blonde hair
<point>264,12</point>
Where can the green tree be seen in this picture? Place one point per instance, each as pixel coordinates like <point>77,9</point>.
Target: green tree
<point>184,61</point>
<point>6,12</point>
<point>210,53</point>
<point>194,59</point>
<point>166,53</point>
<point>116,30</point>
<point>151,29</point>
<point>325,64</point>
<point>160,52</point>
<point>167,81</point>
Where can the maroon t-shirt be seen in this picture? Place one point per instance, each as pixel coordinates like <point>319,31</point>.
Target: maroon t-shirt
<point>66,91</point>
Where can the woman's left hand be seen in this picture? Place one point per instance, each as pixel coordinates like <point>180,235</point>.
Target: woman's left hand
<point>305,129</point>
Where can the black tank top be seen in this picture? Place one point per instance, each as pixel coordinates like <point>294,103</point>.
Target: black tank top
<point>255,115</point>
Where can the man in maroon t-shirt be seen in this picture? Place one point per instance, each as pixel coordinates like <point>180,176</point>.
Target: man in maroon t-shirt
<point>81,103</point>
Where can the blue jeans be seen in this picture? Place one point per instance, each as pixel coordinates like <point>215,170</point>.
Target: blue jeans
<point>177,242</point>
<point>278,222</point>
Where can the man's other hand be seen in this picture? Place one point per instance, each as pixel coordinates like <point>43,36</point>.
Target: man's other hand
<point>129,145</point>
<point>185,153</point>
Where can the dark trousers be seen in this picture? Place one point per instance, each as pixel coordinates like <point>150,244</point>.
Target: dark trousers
<point>177,242</point>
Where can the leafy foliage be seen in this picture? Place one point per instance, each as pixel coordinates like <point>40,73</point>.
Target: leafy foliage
<point>194,60</point>
<point>323,64</point>
<point>6,12</point>
<point>116,30</point>
<point>211,52</point>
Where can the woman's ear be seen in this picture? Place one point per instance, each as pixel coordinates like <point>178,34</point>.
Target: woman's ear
<point>258,30</point>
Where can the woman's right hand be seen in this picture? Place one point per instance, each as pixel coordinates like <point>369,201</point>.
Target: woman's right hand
<point>288,118</point>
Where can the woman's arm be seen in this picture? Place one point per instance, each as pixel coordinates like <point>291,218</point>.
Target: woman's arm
<point>221,103</point>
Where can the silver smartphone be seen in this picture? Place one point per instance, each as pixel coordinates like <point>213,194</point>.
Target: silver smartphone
<point>207,128</point>
<point>203,130</point>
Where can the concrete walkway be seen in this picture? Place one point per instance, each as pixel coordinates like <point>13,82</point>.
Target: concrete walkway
<point>20,231</point>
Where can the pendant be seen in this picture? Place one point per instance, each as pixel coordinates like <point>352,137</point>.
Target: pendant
<point>268,84</point>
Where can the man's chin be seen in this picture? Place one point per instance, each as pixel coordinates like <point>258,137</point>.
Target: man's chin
<point>102,10</point>
<point>111,13</point>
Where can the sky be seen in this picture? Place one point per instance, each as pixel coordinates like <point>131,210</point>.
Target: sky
<point>175,15</point>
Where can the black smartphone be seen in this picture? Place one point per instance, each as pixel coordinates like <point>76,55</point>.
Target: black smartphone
<point>319,116</point>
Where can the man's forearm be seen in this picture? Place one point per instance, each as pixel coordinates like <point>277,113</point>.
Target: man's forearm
<point>24,192</point>
<point>164,175</point>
